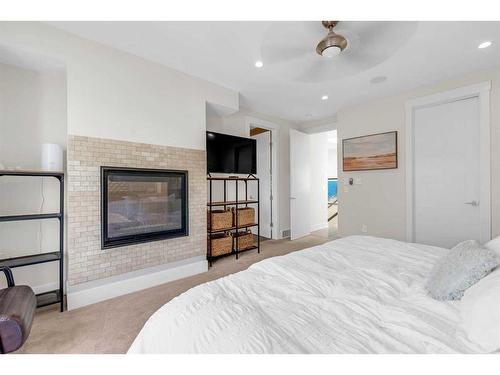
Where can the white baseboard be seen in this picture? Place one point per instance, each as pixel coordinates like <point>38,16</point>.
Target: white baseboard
<point>100,290</point>
<point>316,227</point>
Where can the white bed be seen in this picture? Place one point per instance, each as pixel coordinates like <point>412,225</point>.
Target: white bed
<point>354,295</point>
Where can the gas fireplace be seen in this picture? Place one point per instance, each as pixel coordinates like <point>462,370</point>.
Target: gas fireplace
<point>142,205</point>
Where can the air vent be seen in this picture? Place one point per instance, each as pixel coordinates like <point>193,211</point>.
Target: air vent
<point>285,233</point>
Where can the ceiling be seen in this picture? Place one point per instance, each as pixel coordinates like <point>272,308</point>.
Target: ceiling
<point>294,78</point>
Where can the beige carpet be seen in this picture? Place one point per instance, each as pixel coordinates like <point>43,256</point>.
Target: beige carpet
<point>111,326</point>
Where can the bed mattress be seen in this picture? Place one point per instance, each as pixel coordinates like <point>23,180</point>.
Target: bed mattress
<point>358,294</point>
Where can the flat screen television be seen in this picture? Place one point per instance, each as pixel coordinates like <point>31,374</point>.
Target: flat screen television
<point>230,154</point>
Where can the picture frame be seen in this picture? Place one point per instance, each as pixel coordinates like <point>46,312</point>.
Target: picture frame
<point>370,152</point>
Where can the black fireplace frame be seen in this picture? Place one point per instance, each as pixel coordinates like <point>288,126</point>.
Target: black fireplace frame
<point>107,242</point>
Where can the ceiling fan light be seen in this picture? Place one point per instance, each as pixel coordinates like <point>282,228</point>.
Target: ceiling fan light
<point>331,45</point>
<point>331,51</point>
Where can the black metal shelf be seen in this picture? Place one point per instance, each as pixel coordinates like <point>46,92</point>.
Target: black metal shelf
<point>249,178</point>
<point>231,203</point>
<point>236,203</point>
<point>28,173</point>
<point>48,298</point>
<point>29,260</point>
<point>30,217</point>
<point>55,296</point>
<point>233,253</point>
<point>233,228</point>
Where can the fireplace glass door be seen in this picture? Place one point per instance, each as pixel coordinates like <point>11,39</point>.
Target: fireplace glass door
<point>141,205</point>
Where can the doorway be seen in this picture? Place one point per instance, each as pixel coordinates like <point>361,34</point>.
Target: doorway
<point>448,178</point>
<point>313,183</point>
<point>333,203</point>
<point>264,138</point>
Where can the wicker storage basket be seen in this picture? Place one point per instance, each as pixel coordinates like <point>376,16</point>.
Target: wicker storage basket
<point>222,243</point>
<point>246,216</point>
<point>244,240</point>
<point>220,219</point>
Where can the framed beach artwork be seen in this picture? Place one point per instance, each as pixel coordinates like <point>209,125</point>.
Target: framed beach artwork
<point>370,152</point>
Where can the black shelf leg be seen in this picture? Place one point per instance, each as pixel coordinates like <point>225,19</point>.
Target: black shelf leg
<point>61,242</point>
<point>236,221</point>
<point>210,226</point>
<point>258,217</point>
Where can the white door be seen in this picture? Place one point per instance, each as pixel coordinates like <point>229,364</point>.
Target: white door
<point>447,173</point>
<point>300,223</point>
<point>264,175</point>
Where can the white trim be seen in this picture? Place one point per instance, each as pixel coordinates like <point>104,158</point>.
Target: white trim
<point>482,92</point>
<point>274,128</point>
<point>100,290</point>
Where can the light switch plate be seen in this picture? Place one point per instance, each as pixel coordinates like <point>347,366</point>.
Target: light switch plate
<point>357,181</point>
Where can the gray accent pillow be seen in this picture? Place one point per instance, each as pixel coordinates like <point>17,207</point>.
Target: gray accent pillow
<point>462,267</point>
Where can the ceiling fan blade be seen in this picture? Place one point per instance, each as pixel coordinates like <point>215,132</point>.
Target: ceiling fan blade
<point>377,40</point>
<point>285,42</point>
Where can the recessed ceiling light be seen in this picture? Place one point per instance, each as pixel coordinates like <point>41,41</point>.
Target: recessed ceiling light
<point>324,97</point>
<point>378,79</point>
<point>485,44</point>
<point>259,64</point>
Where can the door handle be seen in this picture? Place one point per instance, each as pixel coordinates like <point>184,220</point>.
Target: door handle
<point>473,203</point>
<point>293,198</point>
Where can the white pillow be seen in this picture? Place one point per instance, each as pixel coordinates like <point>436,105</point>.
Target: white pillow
<point>480,311</point>
<point>493,245</point>
<point>463,266</point>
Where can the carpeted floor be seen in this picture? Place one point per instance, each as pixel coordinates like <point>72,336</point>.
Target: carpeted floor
<point>111,326</point>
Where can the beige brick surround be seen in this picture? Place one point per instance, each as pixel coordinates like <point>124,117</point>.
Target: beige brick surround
<point>86,260</point>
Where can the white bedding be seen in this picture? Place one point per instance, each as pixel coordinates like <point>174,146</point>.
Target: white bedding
<point>354,295</point>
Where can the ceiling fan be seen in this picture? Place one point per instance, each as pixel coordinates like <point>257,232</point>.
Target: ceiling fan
<point>291,49</point>
<point>332,44</point>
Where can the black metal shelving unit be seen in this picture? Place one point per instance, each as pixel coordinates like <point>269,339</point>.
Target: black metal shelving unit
<point>53,296</point>
<point>236,204</point>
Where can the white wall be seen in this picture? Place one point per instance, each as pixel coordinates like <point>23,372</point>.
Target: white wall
<point>32,112</point>
<point>380,201</point>
<point>236,124</point>
<point>319,176</point>
<point>112,94</point>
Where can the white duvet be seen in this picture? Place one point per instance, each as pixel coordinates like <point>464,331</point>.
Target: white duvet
<point>354,295</point>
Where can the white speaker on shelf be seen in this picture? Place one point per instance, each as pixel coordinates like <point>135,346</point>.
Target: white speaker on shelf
<point>52,157</point>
